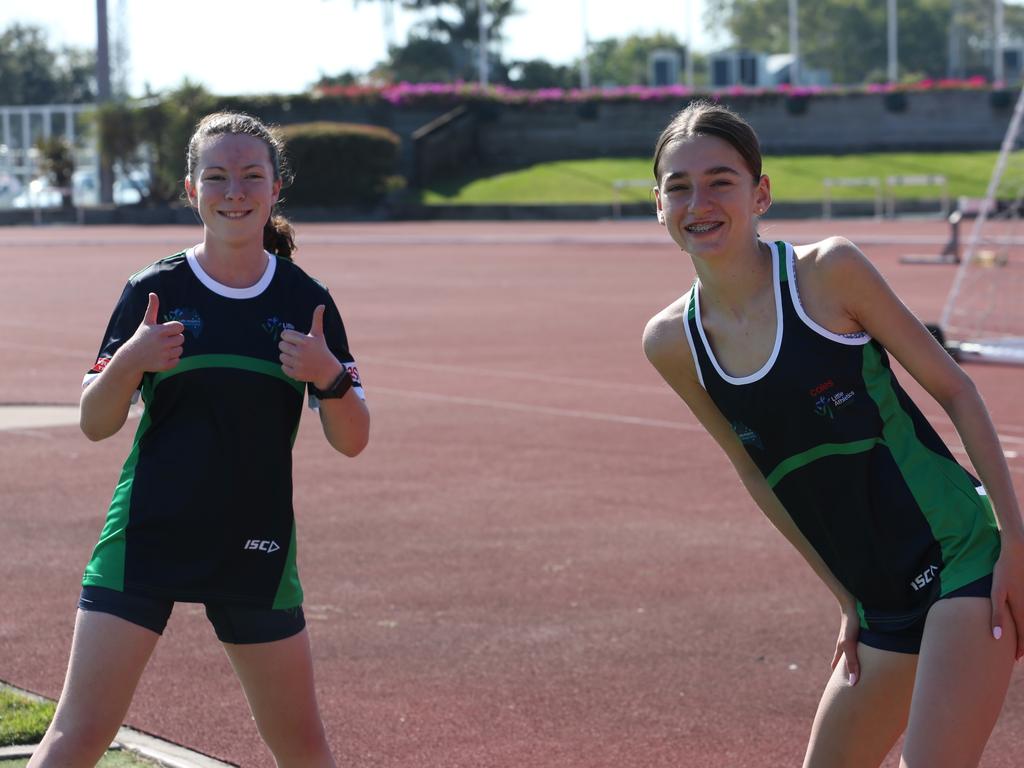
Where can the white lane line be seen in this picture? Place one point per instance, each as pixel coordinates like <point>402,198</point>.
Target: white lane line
<point>657,238</point>
<point>19,417</point>
<point>524,375</point>
<point>24,418</point>
<point>541,409</point>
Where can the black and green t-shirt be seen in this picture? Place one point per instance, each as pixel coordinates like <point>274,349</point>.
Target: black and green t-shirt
<point>853,461</point>
<point>203,508</point>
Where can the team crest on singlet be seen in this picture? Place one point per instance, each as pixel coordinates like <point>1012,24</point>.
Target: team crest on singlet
<point>188,317</point>
<point>828,399</point>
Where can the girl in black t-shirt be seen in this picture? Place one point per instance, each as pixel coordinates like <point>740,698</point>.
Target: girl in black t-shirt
<point>215,339</point>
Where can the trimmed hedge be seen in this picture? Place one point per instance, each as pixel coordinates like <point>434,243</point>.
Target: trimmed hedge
<point>339,163</point>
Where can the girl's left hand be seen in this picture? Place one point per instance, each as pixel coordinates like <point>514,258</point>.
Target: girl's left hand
<point>1008,592</point>
<point>306,357</point>
<point>846,644</point>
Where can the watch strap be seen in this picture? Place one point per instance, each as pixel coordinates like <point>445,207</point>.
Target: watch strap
<point>337,388</point>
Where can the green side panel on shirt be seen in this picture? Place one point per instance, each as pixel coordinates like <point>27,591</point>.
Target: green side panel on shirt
<point>106,566</point>
<point>230,361</point>
<point>863,619</point>
<point>961,520</point>
<point>289,591</point>
<point>817,452</point>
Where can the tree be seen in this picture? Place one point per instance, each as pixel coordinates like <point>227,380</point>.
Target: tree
<point>624,61</point>
<point>849,38</point>
<point>58,163</point>
<point>444,46</point>
<point>421,60</point>
<point>538,73</point>
<point>31,72</point>
<point>152,135</point>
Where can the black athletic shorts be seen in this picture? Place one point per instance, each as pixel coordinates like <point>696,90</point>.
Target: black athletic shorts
<point>908,639</point>
<point>232,623</point>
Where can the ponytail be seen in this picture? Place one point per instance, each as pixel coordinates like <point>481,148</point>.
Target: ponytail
<point>279,236</point>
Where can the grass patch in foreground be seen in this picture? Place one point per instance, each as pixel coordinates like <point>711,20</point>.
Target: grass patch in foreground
<point>112,759</point>
<point>794,178</point>
<point>22,720</point>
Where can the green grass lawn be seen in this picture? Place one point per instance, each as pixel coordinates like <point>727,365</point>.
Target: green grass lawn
<point>794,178</point>
<point>112,759</point>
<point>24,721</point>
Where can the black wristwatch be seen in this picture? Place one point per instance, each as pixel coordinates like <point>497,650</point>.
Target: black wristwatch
<point>336,389</point>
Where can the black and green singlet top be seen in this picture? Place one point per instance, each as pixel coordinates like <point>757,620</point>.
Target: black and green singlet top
<point>203,508</point>
<point>853,461</point>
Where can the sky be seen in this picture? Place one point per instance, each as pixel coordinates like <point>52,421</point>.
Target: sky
<point>260,46</point>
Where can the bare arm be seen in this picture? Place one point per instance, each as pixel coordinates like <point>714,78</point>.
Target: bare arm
<point>306,357</point>
<point>345,421</point>
<point>154,347</point>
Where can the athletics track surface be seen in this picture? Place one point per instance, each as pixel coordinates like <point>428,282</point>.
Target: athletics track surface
<point>540,560</point>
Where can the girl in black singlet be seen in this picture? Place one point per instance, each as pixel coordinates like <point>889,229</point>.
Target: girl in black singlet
<point>781,352</point>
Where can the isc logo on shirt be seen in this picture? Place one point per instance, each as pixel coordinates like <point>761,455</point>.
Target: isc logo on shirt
<point>262,545</point>
<point>920,582</point>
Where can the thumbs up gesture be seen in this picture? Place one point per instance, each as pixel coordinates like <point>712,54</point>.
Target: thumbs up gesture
<point>306,357</point>
<point>156,346</point>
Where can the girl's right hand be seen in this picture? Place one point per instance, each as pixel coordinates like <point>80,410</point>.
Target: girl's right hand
<point>155,346</point>
<point>846,645</point>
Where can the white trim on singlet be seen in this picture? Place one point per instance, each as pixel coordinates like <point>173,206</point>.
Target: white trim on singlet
<point>764,369</point>
<point>853,339</point>
<point>689,335</point>
<point>225,290</point>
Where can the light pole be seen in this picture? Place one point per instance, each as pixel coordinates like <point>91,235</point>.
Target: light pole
<point>106,172</point>
<point>997,44</point>
<point>954,68</point>
<point>585,60</point>
<point>894,67</point>
<point>794,42</point>
<point>482,27</point>
<point>689,44</point>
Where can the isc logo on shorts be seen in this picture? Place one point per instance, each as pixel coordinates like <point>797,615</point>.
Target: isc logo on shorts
<point>262,545</point>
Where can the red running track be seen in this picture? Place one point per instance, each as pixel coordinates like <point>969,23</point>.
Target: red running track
<point>541,560</point>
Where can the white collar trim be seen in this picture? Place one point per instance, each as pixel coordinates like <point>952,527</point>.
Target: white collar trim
<point>225,290</point>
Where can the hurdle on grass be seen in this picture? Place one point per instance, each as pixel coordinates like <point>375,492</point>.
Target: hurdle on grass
<point>847,182</point>
<point>620,184</point>
<point>915,180</point>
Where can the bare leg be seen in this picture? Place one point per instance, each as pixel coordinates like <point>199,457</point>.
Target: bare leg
<point>962,677</point>
<point>277,679</point>
<point>857,725</point>
<point>108,655</point>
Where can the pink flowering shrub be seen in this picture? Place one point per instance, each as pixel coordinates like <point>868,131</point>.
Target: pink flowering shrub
<point>410,93</point>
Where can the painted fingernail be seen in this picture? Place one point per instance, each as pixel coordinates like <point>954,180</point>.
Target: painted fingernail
<point>997,632</point>
<point>853,678</point>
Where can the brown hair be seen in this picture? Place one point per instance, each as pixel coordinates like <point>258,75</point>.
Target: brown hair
<point>706,118</point>
<point>278,234</point>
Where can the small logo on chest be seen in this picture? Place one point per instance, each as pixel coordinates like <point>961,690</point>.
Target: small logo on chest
<point>828,398</point>
<point>274,326</point>
<point>188,317</point>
